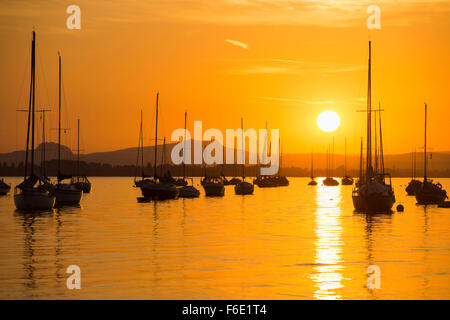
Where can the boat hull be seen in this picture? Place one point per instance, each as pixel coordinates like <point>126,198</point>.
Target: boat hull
<point>69,196</point>
<point>330,182</point>
<point>189,192</point>
<point>159,191</point>
<point>83,186</point>
<point>244,188</point>
<point>214,189</point>
<point>427,198</point>
<point>373,203</point>
<point>34,200</point>
<point>4,190</point>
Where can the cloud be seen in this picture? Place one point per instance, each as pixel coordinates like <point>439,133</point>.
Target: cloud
<point>284,66</point>
<point>237,43</point>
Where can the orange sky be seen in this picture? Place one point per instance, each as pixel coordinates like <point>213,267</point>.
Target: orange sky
<point>299,58</point>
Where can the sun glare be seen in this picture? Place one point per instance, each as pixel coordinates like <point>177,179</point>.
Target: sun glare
<point>328,121</point>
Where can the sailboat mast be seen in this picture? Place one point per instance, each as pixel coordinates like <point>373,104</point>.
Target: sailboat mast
<point>59,116</point>
<point>184,148</point>
<point>376,145</point>
<point>30,101</point>
<point>43,144</point>
<point>332,159</point>
<point>78,148</point>
<point>381,141</point>
<point>312,165</point>
<point>242,149</point>
<point>141,142</point>
<point>156,134</point>
<point>369,118</point>
<point>33,100</point>
<point>361,162</point>
<point>345,159</point>
<point>425,149</point>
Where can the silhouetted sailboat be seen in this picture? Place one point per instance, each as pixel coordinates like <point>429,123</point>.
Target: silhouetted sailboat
<point>154,188</point>
<point>373,194</point>
<point>414,184</point>
<point>346,180</point>
<point>4,187</point>
<point>180,182</point>
<point>312,182</point>
<point>34,192</point>
<point>330,181</point>
<point>187,191</point>
<point>281,180</point>
<point>81,182</point>
<point>243,187</point>
<point>429,192</point>
<point>65,193</point>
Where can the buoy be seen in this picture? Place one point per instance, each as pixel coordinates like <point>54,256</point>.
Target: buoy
<point>400,208</point>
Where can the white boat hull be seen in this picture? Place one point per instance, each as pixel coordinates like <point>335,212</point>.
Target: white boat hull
<point>34,200</point>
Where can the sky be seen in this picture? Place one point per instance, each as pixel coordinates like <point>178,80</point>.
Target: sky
<point>280,61</point>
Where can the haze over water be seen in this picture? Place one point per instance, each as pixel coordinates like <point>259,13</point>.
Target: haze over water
<point>297,242</point>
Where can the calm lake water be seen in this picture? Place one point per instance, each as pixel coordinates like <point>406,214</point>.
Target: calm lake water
<point>297,242</point>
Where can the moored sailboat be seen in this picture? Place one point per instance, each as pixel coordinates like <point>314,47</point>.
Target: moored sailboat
<point>65,193</point>
<point>154,188</point>
<point>429,192</point>
<point>346,180</point>
<point>81,182</point>
<point>414,184</point>
<point>313,182</point>
<point>243,187</point>
<point>330,181</point>
<point>34,192</point>
<point>374,193</point>
<point>4,187</point>
<point>187,191</point>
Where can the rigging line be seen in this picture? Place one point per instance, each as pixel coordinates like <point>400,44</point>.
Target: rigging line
<point>43,75</point>
<point>26,68</point>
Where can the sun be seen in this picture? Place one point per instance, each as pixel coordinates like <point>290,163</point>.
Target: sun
<point>328,121</point>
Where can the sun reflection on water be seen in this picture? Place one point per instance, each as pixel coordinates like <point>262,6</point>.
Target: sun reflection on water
<point>328,244</point>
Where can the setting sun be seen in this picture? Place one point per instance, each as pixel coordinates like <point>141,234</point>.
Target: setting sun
<point>328,121</point>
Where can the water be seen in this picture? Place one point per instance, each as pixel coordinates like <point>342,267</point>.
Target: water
<point>297,242</point>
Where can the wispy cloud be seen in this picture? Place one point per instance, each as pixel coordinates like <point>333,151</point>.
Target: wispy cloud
<point>279,66</point>
<point>237,43</point>
<point>351,101</point>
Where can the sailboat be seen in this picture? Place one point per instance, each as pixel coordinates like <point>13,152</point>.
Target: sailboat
<point>429,192</point>
<point>154,188</point>
<point>80,182</point>
<point>234,181</point>
<point>65,193</point>
<point>243,187</point>
<point>140,156</point>
<point>281,181</point>
<point>313,182</point>
<point>414,184</point>
<point>346,180</point>
<point>33,193</point>
<point>213,186</point>
<point>187,191</point>
<point>329,181</point>
<point>374,193</point>
<point>4,187</point>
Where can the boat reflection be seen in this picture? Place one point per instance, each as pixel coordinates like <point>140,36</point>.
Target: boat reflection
<point>328,244</point>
